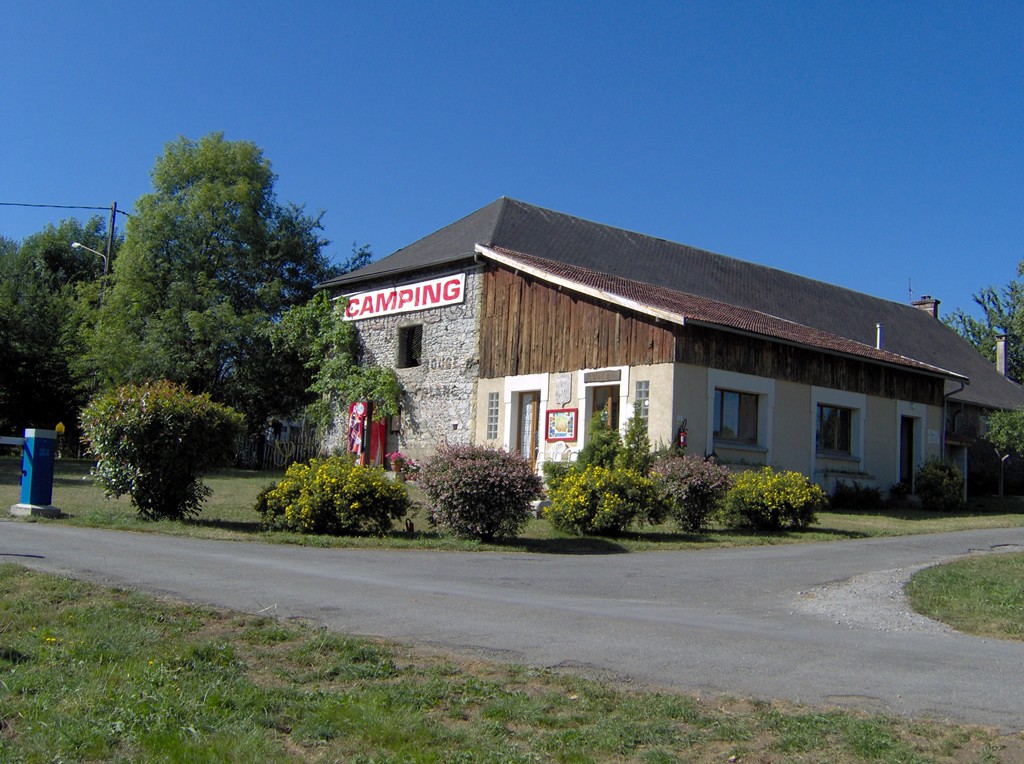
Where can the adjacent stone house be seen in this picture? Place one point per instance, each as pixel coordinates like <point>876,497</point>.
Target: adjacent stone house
<point>516,325</point>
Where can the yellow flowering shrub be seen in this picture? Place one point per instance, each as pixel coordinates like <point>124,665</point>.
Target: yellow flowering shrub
<point>603,501</point>
<point>333,496</point>
<point>769,499</point>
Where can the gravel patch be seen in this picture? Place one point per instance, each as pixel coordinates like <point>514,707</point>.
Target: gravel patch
<point>870,601</point>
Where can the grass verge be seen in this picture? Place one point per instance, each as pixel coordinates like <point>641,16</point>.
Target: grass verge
<point>982,595</point>
<point>93,674</point>
<point>229,514</point>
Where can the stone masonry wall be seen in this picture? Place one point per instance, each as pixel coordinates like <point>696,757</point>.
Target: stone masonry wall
<point>440,393</point>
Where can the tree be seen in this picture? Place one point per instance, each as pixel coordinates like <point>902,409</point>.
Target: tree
<point>1003,313</point>
<point>211,261</point>
<point>48,292</point>
<point>328,348</point>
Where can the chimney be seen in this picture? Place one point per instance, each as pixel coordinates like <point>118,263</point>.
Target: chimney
<point>878,336</point>
<point>1001,353</point>
<point>928,304</point>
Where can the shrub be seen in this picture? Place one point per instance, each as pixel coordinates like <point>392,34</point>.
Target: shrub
<point>333,496</point>
<point>155,441</point>
<point>696,486</point>
<point>480,492</point>
<point>604,501</point>
<point>939,485</point>
<point>855,496</point>
<point>602,446</point>
<point>635,452</point>
<point>555,472</point>
<point>767,499</point>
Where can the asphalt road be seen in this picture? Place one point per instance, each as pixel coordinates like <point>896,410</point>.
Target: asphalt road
<point>717,621</point>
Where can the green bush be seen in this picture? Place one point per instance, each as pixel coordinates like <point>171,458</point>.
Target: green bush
<point>603,443</point>
<point>768,499</point>
<point>939,486</point>
<point>855,496</point>
<point>333,496</point>
<point>154,442</point>
<point>604,501</point>
<point>696,486</point>
<point>480,492</point>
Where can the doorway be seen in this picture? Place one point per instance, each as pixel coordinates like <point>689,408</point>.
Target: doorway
<point>606,400</point>
<point>528,419</point>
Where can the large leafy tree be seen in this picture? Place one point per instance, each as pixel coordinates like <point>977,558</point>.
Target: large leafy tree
<point>1002,312</point>
<point>210,263</point>
<point>48,290</point>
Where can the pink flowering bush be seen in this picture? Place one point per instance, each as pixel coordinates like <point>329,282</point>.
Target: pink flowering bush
<point>696,486</point>
<point>480,492</point>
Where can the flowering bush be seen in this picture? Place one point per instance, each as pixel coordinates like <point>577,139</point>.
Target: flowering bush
<point>155,441</point>
<point>333,496</point>
<point>767,499</point>
<point>940,486</point>
<point>402,463</point>
<point>696,486</point>
<point>604,501</point>
<point>480,492</point>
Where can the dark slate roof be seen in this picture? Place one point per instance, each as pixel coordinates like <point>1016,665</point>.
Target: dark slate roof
<point>691,308</point>
<point>508,224</point>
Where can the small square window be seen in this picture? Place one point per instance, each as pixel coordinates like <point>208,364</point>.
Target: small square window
<point>410,346</point>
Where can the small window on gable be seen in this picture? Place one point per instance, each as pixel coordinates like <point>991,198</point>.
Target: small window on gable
<point>835,429</point>
<point>410,346</point>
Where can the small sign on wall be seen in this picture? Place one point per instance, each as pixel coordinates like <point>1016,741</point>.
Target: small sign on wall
<point>563,388</point>
<point>562,424</point>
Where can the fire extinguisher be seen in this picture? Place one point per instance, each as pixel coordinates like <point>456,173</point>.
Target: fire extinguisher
<point>682,435</point>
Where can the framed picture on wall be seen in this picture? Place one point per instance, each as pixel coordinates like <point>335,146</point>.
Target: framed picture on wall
<point>562,424</point>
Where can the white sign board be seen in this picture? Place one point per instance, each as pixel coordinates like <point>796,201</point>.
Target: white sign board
<point>421,295</point>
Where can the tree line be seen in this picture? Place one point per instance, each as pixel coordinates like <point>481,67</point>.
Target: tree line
<point>199,291</point>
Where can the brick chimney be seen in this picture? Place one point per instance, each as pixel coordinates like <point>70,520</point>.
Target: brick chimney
<point>928,304</point>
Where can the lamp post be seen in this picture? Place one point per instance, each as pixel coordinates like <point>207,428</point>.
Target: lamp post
<point>103,278</point>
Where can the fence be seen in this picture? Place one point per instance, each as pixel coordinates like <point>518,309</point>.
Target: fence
<point>262,453</point>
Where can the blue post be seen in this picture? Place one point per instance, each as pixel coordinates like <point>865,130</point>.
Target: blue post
<point>38,453</point>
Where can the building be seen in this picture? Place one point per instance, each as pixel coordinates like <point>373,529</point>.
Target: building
<point>515,325</point>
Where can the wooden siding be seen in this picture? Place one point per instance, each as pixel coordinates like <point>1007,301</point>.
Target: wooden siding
<point>529,327</point>
<point>703,346</point>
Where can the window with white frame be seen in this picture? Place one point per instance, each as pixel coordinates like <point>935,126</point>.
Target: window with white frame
<point>493,400</point>
<point>643,397</point>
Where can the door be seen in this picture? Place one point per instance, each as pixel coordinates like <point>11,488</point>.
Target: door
<point>606,400</point>
<point>529,420</point>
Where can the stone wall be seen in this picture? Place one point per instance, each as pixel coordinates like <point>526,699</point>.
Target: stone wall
<point>440,393</point>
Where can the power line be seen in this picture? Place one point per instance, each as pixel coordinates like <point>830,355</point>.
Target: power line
<point>61,207</point>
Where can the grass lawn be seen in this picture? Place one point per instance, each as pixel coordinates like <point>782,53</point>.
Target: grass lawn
<point>229,514</point>
<point>981,595</point>
<point>94,674</point>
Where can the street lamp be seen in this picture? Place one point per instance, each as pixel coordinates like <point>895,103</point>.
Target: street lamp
<point>103,278</point>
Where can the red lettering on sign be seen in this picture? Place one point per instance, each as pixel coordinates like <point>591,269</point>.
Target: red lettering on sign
<point>386,301</point>
<point>452,288</point>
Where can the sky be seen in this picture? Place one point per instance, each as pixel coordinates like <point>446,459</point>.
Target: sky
<point>874,145</point>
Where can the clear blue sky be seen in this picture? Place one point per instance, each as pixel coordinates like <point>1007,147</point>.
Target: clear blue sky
<point>869,144</point>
